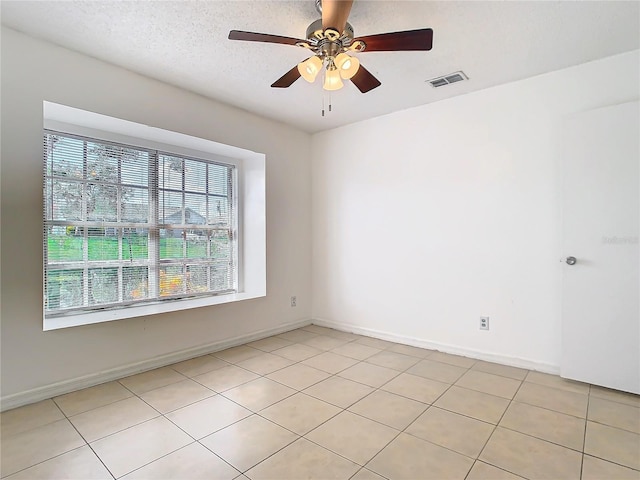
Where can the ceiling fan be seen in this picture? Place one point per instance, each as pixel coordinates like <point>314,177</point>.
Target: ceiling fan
<point>332,42</point>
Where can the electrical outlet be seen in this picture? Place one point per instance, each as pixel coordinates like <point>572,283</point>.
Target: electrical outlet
<point>294,302</point>
<point>484,323</point>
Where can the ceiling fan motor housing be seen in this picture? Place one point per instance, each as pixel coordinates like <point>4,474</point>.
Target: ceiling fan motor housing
<point>316,32</point>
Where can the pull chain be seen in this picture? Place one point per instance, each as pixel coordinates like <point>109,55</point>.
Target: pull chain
<point>330,104</point>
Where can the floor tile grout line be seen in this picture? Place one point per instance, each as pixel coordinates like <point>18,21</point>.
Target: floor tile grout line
<point>295,392</point>
<point>101,406</point>
<point>56,456</point>
<point>541,439</point>
<point>521,402</point>
<point>559,387</point>
<point>64,417</point>
<point>295,433</point>
<point>369,470</point>
<point>613,401</point>
<point>346,458</point>
<point>165,413</point>
<point>617,404</point>
<point>244,471</point>
<point>155,460</point>
<point>92,449</point>
<point>610,461</point>
<point>584,437</point>
<point>118,431</point>
<point>500,468</point>
<point>53,399</point>
<point>442,446</point>
<point>550,409</point>
<point>498,423</point>
<point>378,421</point>
<point>611,426</point>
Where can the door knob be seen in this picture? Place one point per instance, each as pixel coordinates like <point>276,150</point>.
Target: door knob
<point>571,260</point>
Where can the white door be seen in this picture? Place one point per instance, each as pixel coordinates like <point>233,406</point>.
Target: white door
<point>601,198</point>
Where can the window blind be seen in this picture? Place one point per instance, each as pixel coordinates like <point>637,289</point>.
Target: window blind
<point>125,225</point>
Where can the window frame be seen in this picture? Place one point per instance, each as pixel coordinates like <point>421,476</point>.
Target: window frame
<point>154,226</point>
<point>250,206</point>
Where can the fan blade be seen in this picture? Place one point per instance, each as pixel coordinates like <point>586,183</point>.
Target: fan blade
<point>335,14</point>
<point>262,37</point>
<point>397,41</point>
<point>364,80</point>
<point>287,79</point>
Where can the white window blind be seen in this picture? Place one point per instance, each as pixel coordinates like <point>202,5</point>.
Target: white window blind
<point>125,225</point>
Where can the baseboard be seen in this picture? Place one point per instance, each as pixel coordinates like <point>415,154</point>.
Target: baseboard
<point>441,347</point>
<point>66,386</point>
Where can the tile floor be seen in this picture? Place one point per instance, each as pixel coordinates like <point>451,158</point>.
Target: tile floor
<point>318,403</point>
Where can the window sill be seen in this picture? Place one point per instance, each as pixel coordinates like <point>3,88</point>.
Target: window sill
<point>101,316</point>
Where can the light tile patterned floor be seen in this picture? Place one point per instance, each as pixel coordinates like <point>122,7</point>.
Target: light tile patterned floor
<point>318,403</point>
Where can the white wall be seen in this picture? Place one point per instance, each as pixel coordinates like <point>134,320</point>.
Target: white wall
<point>33,71</point>
<point>426,219</point>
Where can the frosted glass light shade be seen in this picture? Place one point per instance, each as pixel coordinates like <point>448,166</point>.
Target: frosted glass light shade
<point>332,80</point>
<point>347,66</point>
<point>310,68</point>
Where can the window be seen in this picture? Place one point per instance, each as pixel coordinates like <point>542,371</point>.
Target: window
<point>125,225</point>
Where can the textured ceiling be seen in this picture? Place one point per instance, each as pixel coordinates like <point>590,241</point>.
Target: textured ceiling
<point>185,43</point>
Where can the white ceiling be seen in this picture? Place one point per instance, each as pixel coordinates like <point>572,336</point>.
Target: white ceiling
<point>185,43</point>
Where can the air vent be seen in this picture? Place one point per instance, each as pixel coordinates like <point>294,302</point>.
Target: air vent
<point>447,79</point>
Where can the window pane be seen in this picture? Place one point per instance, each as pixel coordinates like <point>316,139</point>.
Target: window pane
<point>67,157</point>
<point>197,278</point>
<point>221,245</point>
<point>48,200</point>
<point>171,280</point>
<point>136,283</point>
<point>195,176</point>
<point>64,289</point>
<point>135,243</point>
<point>219,211</point>
<point>135,168</point>
<point>102,243</point>
<point>170,172</point>
<point>195,211</point>
<point>221,277</point>
<point>196,244</point>
<point>103,285</point>
<point>66,203</point>
<point>64,244</point>
<point>171,243</point>
<point>102,202</point>
<point>135,204</point>
<point>218,179</point>
<point>102,162</point>
<point>170,207</point>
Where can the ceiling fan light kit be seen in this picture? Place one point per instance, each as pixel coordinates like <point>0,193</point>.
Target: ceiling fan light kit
<point>348,66</point>
<point>310,68</point>
<point>329,47</point>
<point>332,80</point>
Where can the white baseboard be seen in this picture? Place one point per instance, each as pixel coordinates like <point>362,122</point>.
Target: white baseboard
<point>441,347</point>
<point>66,386</point>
